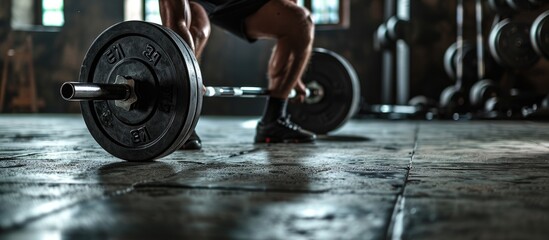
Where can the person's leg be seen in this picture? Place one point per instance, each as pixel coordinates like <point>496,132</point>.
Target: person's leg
<point>293,29</point>
<point>200,32</point>
<point>191,22</point>
<point>176,15</point>
<point>200,27</point>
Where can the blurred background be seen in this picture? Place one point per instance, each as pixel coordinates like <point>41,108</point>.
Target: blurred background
<point>43,42</point>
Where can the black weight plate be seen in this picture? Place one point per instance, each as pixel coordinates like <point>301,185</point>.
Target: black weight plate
<point>197,77</point>
<point>451,97</point>
<point>481,91</point>
<point>468,58</point>
<point>539,34</point>
<point>510,45</point>
<point>397,28</point>
<point>166,86</point>
<point>381,38</point>
<point>341,93</point>
<point>449,60</point>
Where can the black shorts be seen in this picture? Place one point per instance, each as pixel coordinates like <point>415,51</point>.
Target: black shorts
<point>231,14</point>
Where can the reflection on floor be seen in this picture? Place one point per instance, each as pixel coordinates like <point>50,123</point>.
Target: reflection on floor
<point>369,180</point>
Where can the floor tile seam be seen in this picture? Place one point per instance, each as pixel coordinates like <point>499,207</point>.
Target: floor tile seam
<point>395,226</point>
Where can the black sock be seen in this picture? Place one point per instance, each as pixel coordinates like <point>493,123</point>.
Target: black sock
<point>274,109</point>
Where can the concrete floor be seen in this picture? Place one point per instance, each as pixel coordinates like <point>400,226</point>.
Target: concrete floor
<point>369,180</point>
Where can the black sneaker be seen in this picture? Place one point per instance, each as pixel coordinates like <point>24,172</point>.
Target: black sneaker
<point>282,131</point>
<point>193,143</point>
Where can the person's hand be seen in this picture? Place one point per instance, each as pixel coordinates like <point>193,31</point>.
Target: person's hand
<point>300,91</point>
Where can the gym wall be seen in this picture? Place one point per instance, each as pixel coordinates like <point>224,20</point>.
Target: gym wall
<point>233,62</point>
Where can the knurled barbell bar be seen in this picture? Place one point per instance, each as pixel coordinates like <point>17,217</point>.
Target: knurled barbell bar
<point>123,92</point>
<point>140,91</point>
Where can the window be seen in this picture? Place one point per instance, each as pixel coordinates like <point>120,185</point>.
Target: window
<point>327,14</point>
<point>22,14</point>
<point>143,10</point>
<point>152,11</point>
<point>30,14</point>
<point>133,10</point>
<point>325,11</point>
<point>52,13</point>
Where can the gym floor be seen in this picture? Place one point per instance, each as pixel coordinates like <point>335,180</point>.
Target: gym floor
<point>369,180</point>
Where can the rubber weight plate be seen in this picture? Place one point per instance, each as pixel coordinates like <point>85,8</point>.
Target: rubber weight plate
<point>166,82</point>
<point>451,97</point>
<point>539,34</point>
<point>481,91</point>
<point>341,96</point>
<point>198,78</point>
<point>510,45</point>
<point>468,58</point>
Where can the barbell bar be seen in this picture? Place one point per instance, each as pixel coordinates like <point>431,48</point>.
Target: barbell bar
<point>78,91</point>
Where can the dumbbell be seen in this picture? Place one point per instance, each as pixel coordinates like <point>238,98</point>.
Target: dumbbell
<point>482,91</point>
<point>469,57</point>
<point>516,103</point>
<point>140,91</point>
<point>539,34</point>
<point>394,29</point>
<point>538,110</point>
<point>452,98</point>
<point>510,45</point>
<point>514,45</point>
<point>390,31</point>
<point>485,88</point>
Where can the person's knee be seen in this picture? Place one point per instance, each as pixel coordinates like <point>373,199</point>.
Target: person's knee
<point>200,24</point>
<point>200,34</point>
<point>174,14</point>
<point>302,29</point>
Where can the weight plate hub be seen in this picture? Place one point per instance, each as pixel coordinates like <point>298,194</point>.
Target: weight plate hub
<point>166,80</point>
<point>341,93</point>
<point>539,34</point>
<point>509,43</point>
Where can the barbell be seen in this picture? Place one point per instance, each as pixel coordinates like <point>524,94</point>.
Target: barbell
<point>140,91</point>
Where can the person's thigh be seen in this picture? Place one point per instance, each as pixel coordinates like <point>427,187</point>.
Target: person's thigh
<point>277,18</point>
<point>200,26</point>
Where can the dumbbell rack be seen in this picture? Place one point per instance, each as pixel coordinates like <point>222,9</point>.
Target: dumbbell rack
<point>479,91</point>
<point>393,40</point>
<point>513,44</point>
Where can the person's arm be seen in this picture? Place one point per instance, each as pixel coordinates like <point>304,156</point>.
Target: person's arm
<point>176,15</point>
